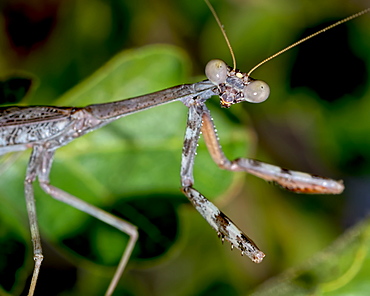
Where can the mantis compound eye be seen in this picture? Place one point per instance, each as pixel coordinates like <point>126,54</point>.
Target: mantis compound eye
<point>256,92</point>
<point>216,71</point>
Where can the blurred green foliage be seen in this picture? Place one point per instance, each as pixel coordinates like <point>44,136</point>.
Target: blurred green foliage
<point>316,120</point>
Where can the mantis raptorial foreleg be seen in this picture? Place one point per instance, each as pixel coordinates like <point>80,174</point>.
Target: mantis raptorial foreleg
<point>199,119</point>
<point>291,180</point>
<point>224,227</point>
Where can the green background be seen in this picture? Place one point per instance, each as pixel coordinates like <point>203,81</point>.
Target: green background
<point>316,120</point>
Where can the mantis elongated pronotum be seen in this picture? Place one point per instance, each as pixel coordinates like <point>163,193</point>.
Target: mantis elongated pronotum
<point>46,128</point>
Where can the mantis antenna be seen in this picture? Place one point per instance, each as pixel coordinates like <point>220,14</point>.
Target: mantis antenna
<point>310,36</point>
<point>223,32</point>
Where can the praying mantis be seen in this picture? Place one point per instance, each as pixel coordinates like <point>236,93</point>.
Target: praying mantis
<point>201,92</point>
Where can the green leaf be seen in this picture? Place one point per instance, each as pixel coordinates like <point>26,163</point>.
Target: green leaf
<point>342,269</point>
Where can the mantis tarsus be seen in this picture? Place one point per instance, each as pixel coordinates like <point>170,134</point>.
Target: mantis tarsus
<point>45,128</point>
